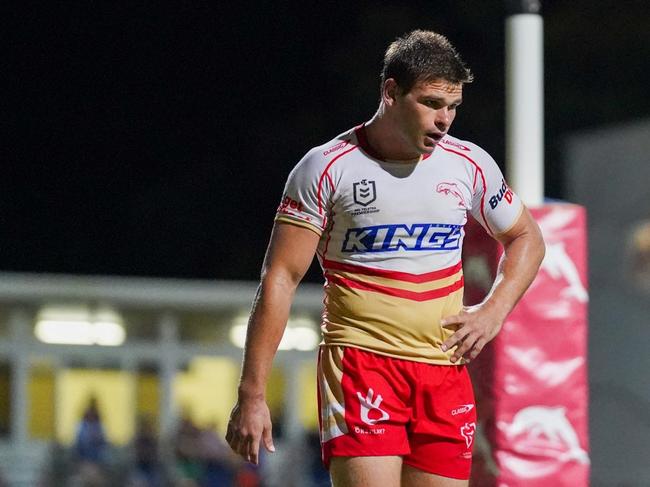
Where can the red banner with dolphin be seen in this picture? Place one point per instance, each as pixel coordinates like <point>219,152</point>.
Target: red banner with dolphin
<point>531,382</point>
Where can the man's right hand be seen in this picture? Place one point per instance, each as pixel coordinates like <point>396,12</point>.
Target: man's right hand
<point>250,423</point>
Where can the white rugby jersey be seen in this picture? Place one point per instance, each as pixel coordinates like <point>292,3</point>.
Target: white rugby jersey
<point>391,235</point>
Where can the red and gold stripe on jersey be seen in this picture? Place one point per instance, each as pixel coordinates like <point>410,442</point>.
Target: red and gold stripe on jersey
<point>390,312</point>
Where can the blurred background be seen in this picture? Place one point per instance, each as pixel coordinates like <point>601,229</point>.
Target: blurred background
<point>146,148</point>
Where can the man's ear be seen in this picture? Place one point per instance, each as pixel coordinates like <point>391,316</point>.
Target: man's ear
<point>389,91</point>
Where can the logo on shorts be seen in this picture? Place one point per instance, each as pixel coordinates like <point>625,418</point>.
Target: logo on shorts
<point>369,405</point>
<point>467,432</point>
<point>365,192</point>
<point>465,408</point>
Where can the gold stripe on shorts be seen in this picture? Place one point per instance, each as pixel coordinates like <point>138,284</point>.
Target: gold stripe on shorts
<point>331,392</point>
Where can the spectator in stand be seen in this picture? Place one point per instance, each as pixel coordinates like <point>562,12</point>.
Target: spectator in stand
<point>220,462</point>
<point>91,449</point>
<point>147,471</point>
<point>187,448</point>
<point>90,442</point>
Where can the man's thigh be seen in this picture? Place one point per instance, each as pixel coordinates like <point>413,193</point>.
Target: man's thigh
<point>413,477</point>
<point>386,471</point>
<point>382,471</point>
<point>361,404</point>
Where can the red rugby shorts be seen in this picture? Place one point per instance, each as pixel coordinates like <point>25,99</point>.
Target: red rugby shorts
<point>374,405</point>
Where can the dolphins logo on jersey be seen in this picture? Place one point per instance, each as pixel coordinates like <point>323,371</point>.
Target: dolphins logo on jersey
<point>453,190</point>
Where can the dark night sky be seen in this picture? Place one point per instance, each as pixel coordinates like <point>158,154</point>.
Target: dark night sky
<point>155,141</point>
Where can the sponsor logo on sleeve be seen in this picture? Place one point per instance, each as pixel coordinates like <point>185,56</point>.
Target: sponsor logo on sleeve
<point>504,193</point>
<point>289,206</point>
<point>288,203</point>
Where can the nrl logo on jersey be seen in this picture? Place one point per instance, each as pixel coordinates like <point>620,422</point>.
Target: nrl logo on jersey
<point>364,192</point>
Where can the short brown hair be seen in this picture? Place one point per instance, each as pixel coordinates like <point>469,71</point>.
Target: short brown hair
<point>423,55</point>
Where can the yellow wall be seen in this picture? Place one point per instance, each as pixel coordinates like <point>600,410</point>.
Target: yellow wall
<point>115,393</point>
<point>275,392</point>
<point>41,393</point>
<point>148,396</point>
<point>207,391</point>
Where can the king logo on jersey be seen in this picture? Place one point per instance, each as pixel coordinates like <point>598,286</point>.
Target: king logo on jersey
<point>391,238</point>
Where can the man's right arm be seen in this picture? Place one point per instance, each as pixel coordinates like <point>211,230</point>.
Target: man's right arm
<point>289,255</point>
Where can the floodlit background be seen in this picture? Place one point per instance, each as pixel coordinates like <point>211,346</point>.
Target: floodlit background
<point>145,151</point>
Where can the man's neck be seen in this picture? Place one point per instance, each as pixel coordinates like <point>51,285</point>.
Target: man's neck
<point>385,139</point>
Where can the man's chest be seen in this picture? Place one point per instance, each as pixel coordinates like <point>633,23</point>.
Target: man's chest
<point>379,210</point>
<point>372,194</point>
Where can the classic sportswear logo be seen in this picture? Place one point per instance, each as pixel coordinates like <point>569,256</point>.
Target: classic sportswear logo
<point>399,236</point>
<point>465,408</point>
<point>338,146</point>
<point>454,144</point>
<point>467,431</point>
<point>368,405</point>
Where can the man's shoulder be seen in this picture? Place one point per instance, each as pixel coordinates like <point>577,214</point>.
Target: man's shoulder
<point>332,147</point>
<point>322,155</point>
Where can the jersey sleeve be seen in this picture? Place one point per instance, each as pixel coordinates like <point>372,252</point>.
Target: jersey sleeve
<point>494,205</point>
<point>306,195</point>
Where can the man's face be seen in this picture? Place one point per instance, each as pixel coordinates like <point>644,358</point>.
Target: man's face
<point>424,114</point>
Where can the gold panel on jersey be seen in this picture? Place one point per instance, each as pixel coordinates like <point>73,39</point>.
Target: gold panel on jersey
<point>389,325</point>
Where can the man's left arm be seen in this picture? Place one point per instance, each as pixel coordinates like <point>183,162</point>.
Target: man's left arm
<point>477,325</point>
